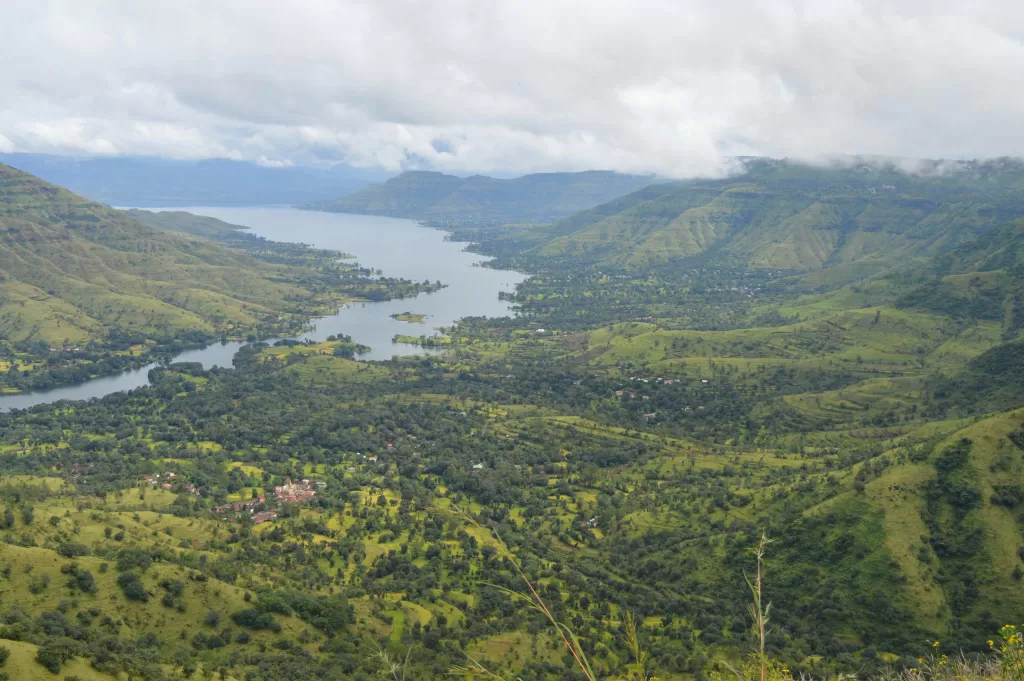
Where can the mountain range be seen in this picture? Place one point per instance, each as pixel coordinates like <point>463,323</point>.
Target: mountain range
<point>143,181</point>
<point>840,223</point>
<point>531,198</point>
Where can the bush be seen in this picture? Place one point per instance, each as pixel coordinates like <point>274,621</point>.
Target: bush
<point>5,653</point>
<point>128,559</point>
<point>132,587</point>
<point>252,618</point>
<point>70,549</point>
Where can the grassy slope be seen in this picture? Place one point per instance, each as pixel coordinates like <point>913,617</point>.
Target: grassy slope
<point>784,216</point>
<point>22,665</point>
<point>72,269</point>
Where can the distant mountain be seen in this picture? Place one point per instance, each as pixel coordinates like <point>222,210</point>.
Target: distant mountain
<point>532,198</point>
<point>850,221</point>
<point>144,181</point>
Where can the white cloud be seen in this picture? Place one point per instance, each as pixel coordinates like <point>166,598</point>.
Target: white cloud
<point>674,87</point>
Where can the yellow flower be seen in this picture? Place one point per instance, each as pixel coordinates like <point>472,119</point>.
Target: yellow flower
<point>935,645</point>
<point>991,644</point>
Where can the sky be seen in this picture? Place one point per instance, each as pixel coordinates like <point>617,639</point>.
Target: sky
<point>676,88</point>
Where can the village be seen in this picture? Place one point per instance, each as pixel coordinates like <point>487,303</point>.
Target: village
<point>259,509</point>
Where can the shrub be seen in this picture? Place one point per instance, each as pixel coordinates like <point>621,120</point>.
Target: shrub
<point>132,587</point>
<point>70,549</point>
<point>252,618</point>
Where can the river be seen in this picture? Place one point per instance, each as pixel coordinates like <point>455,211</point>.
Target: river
<point>400,248</point>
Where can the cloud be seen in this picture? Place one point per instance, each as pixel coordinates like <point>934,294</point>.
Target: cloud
<point>675,87</point>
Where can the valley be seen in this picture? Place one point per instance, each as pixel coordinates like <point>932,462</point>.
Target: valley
<point>614,449</point>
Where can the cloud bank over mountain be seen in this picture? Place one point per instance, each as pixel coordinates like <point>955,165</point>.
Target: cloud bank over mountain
<point>669,87</point>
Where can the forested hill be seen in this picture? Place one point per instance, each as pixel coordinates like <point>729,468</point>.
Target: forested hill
<point>853,220</point>
<point>983,279</point>
<point>539,197</point>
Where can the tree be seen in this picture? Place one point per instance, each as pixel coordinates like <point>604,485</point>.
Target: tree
<point>56,651</point>
<point>132,587</point>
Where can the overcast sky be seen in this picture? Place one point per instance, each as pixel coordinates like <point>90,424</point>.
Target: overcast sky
<point>670,87</point>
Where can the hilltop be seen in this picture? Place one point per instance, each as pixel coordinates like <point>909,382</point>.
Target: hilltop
<point>531,198</point>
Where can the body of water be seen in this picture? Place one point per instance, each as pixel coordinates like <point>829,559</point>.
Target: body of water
<point>399,248</point>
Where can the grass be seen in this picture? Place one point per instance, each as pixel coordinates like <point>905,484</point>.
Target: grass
<point>22,666</point>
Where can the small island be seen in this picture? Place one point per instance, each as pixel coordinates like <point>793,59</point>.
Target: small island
<point>423,341</point>
<point>410,317</point>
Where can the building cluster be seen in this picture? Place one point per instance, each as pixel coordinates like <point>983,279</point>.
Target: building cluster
<point>167,481</point>
<point>295,492</point>
<point>288,493</point>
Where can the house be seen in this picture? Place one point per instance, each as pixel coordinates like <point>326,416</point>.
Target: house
<point>295,493</point>
<point>478,466</point>
<point>263,517</point>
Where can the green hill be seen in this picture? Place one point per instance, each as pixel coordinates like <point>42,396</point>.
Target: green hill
<point>538,197</point>
<point>852,220</point>
<point>982,279</point>
<point>75,270</point>
<point>91,280</point>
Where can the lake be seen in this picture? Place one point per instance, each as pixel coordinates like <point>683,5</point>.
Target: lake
<point>399,248</point>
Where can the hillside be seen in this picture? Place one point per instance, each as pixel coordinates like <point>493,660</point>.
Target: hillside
<point>536,198</point>
<point>89,279</point>
<point>853,221</point>
<point>612,453</point>
<point>893,527</point>
<point>982,279</point>
<point>142,181</point>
